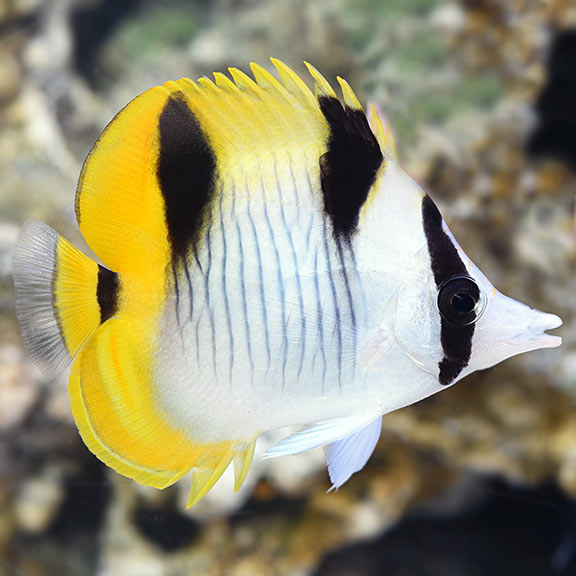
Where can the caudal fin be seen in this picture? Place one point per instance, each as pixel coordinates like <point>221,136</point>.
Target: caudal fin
<point>58,296</point>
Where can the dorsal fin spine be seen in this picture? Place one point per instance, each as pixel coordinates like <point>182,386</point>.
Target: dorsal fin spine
<point>225,83</point>
<point>377,127</point>
<point>350,99</point>
<point>322,86</point>
<point>293,83</point>
<point>206,83</point>
<point>266,81</point>
<point>244,82</point>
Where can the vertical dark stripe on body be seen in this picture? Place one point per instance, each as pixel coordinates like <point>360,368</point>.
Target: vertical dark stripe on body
<point>207,291</point>
<point>281,288</point>
<point>225,287</point>
<point>295,264</point>
<point>348,289</point>
<point>185,171</point>
<point>190,290</point>
<point>335,303</point>
<point>242,276</point>
<point>349,166</point>
<point>262,288</point>
<point>446,262</point>
<point>320,322</point>
<point>176,292</point>
<point>107,293</point>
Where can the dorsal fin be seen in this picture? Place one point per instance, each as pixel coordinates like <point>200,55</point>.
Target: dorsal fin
<point>184,135</point>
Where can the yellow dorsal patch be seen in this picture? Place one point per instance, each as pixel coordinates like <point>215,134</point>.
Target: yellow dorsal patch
<point>254,126</point>
<point>118,204</point>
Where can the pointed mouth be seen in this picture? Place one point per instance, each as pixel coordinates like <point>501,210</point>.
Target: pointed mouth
<point>535,335</point>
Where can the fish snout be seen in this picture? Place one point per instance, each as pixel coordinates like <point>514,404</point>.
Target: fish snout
<point>523,327</point>
<point>534,334</point>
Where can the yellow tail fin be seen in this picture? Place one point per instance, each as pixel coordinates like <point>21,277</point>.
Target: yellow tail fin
<point>62,296</point>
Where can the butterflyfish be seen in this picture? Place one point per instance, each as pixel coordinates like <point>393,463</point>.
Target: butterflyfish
<point>264,262</point>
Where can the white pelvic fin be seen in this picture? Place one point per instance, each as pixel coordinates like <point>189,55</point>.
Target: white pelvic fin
<point>349,455</point>
<point>320,434</point>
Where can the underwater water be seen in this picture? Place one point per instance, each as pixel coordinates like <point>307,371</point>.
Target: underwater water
<point>480,479</point>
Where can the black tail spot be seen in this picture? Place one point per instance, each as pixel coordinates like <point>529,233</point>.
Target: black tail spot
<point>107,293</point>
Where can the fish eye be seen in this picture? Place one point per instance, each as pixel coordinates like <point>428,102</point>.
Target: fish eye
<point>460,300</point>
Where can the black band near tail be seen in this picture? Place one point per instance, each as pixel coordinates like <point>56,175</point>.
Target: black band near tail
<point>446,262</point>
<point>107,293</point>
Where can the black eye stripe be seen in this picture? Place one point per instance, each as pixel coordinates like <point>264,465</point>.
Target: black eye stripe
<point>446,262</point>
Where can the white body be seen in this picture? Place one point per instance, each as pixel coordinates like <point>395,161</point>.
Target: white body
<point>267,332</point>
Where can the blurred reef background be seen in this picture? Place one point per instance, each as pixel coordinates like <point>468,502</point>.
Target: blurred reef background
<point>478,480</point>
